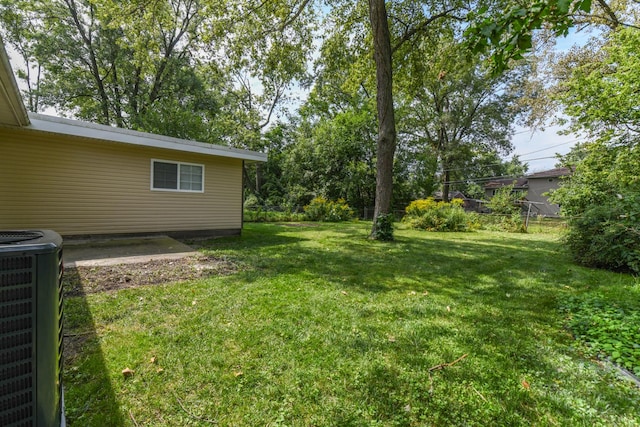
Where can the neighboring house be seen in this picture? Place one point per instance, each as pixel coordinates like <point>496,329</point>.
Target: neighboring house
<point>541,183</point>
<point>84,179</point>
<point>491,187</point>
<point>534,186</point>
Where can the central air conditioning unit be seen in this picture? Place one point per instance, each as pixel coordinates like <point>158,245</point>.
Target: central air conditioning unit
<point>31,329</point>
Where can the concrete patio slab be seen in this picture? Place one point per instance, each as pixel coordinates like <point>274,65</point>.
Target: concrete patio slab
<point>112,251</point>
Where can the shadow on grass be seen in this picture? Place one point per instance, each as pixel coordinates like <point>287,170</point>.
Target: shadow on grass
<point>89,397</point>
<point>493,297</point>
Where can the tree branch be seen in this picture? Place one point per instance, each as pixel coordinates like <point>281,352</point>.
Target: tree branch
<point>295,16</point>
<point>408,34</point>
<point>607,10</point>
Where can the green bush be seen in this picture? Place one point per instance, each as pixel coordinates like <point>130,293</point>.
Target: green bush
<point>429,215</point>
<point>384,228</point>
<point>505,201</point>
<point>321,209</point>
<point>607,236</point>
<point>258,214</point>
<point>602,203</point>
<point>511,223</point>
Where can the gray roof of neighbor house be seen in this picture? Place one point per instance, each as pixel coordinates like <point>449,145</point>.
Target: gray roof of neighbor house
<point>518,183</point>
<point>14,114</point>
<point>551,173</point>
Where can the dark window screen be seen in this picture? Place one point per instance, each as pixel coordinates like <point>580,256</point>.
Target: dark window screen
<point>165,175</point>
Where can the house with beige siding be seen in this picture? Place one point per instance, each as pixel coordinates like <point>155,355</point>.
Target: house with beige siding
<point>84,179</point>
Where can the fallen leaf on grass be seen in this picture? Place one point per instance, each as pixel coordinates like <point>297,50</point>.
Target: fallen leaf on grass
<point>126,372</point>
<point>526,385</point>
<point>159,370</point>
<point>153,360</point>
<point>344,293</point>
<point>238,374</point>
<point>391,338</point>
<point>412,293</point>
<point>448,308</point>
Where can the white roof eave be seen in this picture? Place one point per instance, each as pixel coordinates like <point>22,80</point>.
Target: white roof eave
<point>50,124</point>
<point>13,111</point>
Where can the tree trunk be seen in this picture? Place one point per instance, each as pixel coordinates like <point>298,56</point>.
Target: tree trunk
<point>446,185</point>
<point>386,146</point>
<point>259,178</point>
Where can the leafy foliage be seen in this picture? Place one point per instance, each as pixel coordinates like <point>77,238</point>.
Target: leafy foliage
<point>602,197</point>
<point>609,329</point>
<point>264,214</point>
<point>507,33</point>
<point>321,209</point>
<point>505,211</point>
<point>333,155</point>
<point>600,96</point>
<point>453,109</point>
<point>504,201</point>
<point>511,223</point>
<point>429,215</point>
<point>197,69</point>
<point>383,229</point>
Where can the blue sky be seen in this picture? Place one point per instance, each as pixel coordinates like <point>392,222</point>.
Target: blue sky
<point>538,149</point>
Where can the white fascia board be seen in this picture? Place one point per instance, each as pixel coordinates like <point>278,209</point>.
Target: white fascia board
<point>10,94</point>
<point>50,124</point>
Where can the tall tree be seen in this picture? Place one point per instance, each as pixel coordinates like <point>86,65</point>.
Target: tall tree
<point>452,107</point>
<point>130,63</point>
<point>386,145</point>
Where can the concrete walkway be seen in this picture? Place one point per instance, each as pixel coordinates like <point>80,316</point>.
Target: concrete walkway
<point>99,252</point>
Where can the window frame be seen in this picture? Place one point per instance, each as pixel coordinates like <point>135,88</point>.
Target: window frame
<point>179,164</point>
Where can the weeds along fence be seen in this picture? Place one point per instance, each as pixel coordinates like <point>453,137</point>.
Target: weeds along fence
<point>272,213</point>
<point>269,213</point>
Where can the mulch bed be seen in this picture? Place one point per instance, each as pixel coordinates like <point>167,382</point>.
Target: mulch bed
<point>87,280</point>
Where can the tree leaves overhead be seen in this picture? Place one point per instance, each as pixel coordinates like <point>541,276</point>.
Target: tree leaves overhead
<point>147,65</point>
<point>507,34</point>
<point>601,96</point>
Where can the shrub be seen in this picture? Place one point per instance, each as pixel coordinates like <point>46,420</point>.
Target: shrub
<point>504,201</point>
<point>384,228</point>
<point>321,209</point>
<point>259,214</point>
<point>602,202</point>
<point>607,236</point>
<point>511,223</point>
<point>427,214</point>
<point>251,202</point>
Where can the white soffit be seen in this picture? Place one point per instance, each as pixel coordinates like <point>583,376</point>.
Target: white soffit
<point>50,124</point>
<point>12,110</point>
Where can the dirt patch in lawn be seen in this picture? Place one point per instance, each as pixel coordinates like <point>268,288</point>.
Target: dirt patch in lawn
<point>87,280</point>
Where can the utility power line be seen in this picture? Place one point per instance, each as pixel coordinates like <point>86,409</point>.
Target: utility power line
<point>550,147</point>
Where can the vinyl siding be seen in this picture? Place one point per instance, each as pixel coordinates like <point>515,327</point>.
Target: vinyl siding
<point>80,186</point>
<point>537,188</point>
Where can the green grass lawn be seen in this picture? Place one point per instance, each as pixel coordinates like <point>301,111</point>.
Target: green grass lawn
<point>322,327</point>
